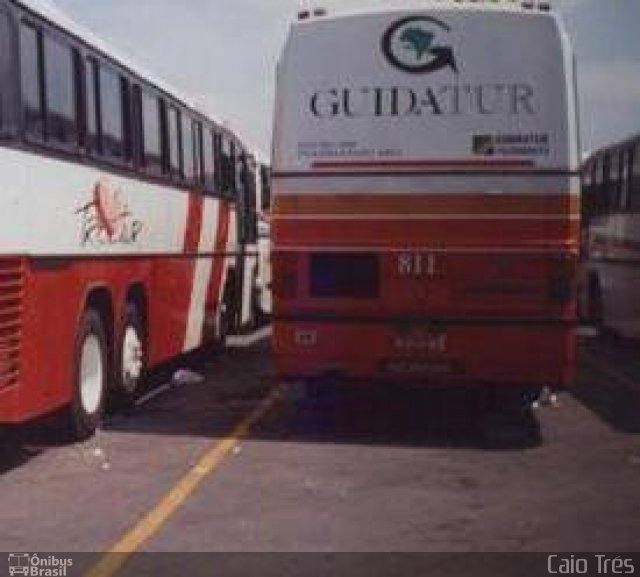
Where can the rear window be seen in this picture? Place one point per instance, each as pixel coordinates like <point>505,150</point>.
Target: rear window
<point>344,276</point>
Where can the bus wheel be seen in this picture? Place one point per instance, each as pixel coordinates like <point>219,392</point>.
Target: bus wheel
<point>131,357</point>
<point>90,370</point>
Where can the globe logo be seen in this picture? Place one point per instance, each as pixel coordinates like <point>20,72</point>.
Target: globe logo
<point>412,45</point>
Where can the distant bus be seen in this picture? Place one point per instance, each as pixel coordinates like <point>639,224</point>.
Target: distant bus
<point>611,192</point>
<point>426,210</point>
<point>128,222</point>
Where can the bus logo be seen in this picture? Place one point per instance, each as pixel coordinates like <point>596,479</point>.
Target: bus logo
<point>411,45</point>
<point>106,219</point>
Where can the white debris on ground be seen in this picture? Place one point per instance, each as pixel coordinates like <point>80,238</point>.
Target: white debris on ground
<point>93,454</point>
<point>186,377</point>
<point>547,398</point>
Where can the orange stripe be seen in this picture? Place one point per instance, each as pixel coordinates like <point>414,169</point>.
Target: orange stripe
<point>477,204</point>
<point>438,233</point>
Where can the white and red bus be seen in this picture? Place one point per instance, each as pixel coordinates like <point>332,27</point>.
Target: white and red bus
<point>611,223</point>
<point>426,207</point>
<point>128,222</point>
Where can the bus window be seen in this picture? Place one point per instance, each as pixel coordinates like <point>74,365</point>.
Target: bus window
<point>60,89</point>
<point>111,115</point>
<point>265,180</point>
<point>625,174</point>
<point>228,169</point>
<point>7,112</point>
<point>634,203</point>
<point>91,84</point>
<point>151,143</point>
<point>32,104</point>
<point>197,147</point>
<point>189,167</point>
<point>173,147</point>
<point>208,161</point>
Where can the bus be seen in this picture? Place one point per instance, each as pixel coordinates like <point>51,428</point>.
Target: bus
<point>611,224</point>
<point>128,222</point>
<point>426,197</point>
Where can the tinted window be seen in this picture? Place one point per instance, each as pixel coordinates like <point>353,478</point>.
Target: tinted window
<point>151,140</point>
<point>240,175</point>
<point>208,160</point>
<point>30,81</point>
<point>60,92</point>
<point>227,167</point>
<point>197,146</point>
<point>91,81</point>
<point>111,114</point>
<point>344,276</point>
<point>189,170</point>
<point>265,180</point>
<point>7,111</point>
<point>173,134</point>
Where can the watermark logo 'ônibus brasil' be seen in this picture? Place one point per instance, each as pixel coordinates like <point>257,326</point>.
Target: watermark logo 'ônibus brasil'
<point>34,565</point>
<point>411,44</point>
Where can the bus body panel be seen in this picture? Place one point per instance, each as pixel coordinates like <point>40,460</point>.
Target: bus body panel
<point>504,92</point>
<point>426,217</point>
<point>101,204</point>
<point>611,184</point>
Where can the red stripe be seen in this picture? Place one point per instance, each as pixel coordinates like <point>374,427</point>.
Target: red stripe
<point>194,224</point>
<point>493,163</point>
<point>222,235</point>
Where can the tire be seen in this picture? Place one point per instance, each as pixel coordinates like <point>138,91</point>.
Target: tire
<point>90,376</point>
<point>131,357</point>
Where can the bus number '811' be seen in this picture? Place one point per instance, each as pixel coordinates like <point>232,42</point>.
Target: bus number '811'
<point>417,265</point>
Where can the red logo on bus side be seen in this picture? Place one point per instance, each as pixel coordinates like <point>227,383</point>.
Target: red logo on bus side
<point>106,219</point>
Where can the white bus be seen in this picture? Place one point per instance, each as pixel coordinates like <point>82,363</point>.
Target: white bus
<point>426,211</point>
<point>611,189</point>
<point>128,222</point>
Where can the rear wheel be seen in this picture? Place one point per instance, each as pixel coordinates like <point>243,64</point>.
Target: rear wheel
<point>90,376</point>
<point>131,356</point>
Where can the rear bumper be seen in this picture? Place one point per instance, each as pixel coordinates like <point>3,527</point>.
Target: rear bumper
<point>531,354</point>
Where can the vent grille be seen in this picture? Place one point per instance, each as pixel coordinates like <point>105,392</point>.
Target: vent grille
<point>11,298</point>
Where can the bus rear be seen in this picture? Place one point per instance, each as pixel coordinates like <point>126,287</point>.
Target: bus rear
<point>426,197</point>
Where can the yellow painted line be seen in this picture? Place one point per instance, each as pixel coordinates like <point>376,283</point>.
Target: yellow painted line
<point>135,538</point>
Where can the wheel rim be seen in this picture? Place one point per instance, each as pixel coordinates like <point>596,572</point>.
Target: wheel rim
<point>91,374</point>
<point>131,358</point>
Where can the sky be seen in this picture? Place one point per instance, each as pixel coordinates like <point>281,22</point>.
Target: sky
<point>223,53</point>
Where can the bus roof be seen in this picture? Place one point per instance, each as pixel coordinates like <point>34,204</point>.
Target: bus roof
<point>516,6</point>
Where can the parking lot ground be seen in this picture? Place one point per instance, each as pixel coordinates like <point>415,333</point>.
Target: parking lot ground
<point>403,468</point>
